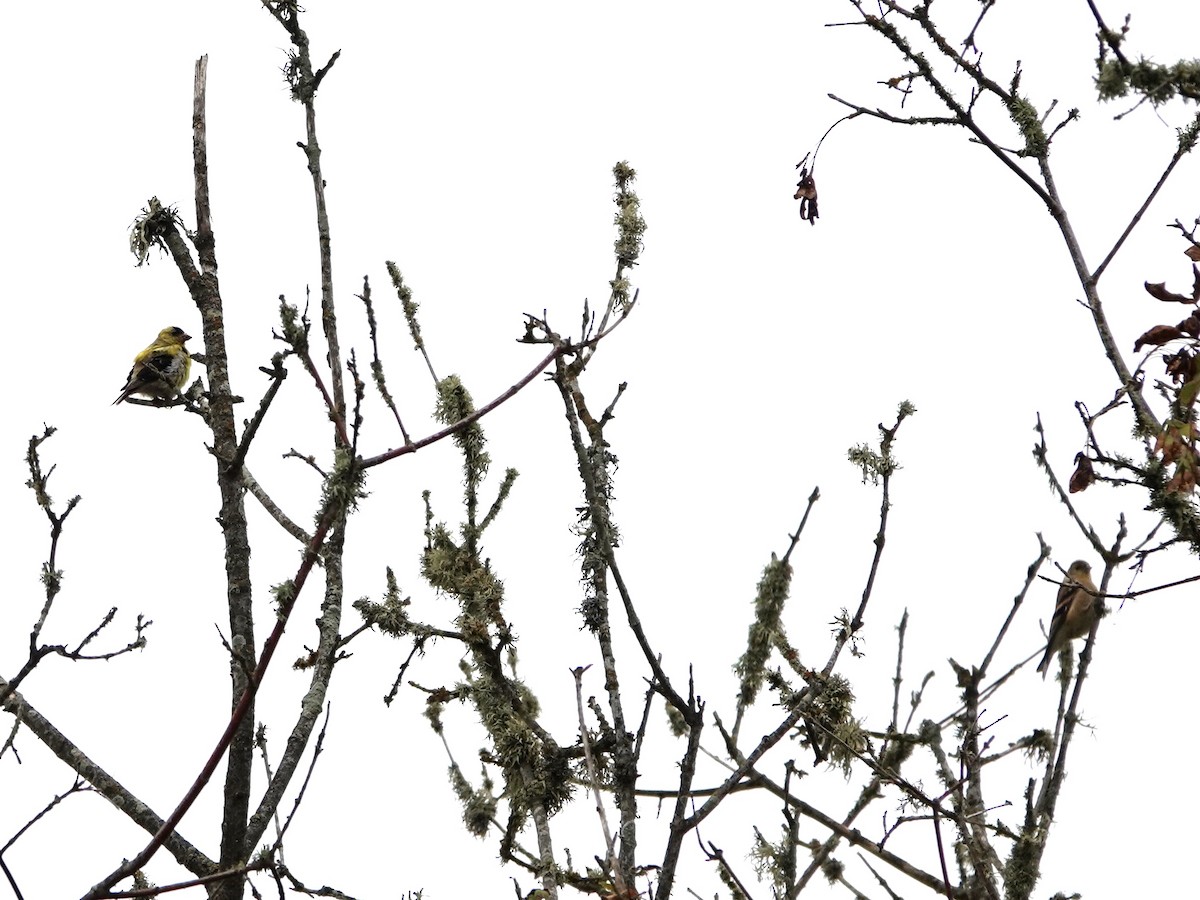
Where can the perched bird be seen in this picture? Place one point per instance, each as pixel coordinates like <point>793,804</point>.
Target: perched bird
<point>1075,610</point>
<point>161,370</point>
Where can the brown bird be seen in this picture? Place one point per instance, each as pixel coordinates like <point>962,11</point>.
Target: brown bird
<point>161,370</point>
<point>1075,610</point>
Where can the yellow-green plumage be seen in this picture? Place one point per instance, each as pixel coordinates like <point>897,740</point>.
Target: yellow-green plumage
<point>161,370</point>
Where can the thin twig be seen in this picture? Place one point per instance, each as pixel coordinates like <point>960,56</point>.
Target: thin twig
<point>235,721</point>
<point>1179,153</point>
<point>466,421</point>
<point>594,781</point>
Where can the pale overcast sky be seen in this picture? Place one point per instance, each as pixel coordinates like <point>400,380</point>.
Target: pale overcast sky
<point>473,144</point>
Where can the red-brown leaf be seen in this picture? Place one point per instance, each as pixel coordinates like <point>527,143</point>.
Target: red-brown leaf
<point>1083,475</point>
<point>1157,336</point>
<point>1183,481</point>
<point>1159,292</point>
<point>1180,366</point>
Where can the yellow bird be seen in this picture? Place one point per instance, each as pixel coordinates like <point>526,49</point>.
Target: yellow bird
<point>1075,609</point>
<point>161,370</point>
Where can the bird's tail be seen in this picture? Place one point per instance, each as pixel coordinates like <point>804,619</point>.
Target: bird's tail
<point>1044,665</point>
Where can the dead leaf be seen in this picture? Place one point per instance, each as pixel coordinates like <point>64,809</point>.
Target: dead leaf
<point>806,189</point>
<point>1184,479</point>
<point>1083,475</point>
<point>1180,366</point>
<point>1193,252</point>
<point>1157,336</point>
<point>806,193</point>
<point>1162,440</point>
<point>1159,292</point>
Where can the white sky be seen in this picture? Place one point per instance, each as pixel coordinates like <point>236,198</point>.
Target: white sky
<point>473,143</point>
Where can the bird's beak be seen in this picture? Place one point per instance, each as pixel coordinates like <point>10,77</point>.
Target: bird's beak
<point>186,336</point>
